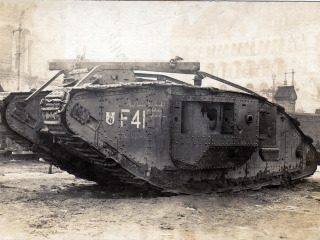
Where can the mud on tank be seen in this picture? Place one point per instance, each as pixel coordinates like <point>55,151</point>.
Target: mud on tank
<point>132,123</point>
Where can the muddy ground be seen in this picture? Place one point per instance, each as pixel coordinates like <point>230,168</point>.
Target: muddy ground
<point>37,205</point>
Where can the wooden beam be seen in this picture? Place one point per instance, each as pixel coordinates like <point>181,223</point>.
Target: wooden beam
<point>177,67</point>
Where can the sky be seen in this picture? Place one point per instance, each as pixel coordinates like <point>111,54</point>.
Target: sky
<point>111,31</point>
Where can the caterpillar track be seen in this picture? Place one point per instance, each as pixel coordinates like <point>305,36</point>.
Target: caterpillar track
<point>22,122</point>
<point>119,126</point>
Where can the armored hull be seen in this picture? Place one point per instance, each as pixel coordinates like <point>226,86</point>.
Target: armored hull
<point>115,129</point>
<point>181,138</point>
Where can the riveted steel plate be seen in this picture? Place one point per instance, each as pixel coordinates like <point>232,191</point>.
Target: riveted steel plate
<point>204,121</point>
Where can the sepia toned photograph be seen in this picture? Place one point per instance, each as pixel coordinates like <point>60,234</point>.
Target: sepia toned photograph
<point>159,120</point>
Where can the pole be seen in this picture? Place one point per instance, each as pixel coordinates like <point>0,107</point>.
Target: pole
<point>285,78</point>
<point>18,54</point>
<point>273,85</point>
<point>293,77</point>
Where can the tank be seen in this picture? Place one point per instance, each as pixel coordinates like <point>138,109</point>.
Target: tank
<point>134,124</point>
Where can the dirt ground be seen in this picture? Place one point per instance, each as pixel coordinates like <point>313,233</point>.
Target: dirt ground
<point>37,205</point>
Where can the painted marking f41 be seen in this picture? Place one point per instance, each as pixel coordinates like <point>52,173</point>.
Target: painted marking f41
<point>135,119</point>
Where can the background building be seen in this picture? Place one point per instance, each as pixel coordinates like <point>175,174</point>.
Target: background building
<point>286,96</point>
<point>15,45</point>
<point>248,42</point>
